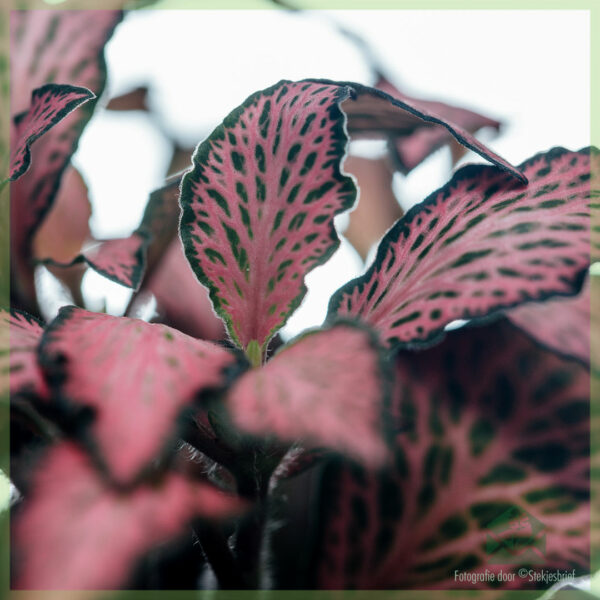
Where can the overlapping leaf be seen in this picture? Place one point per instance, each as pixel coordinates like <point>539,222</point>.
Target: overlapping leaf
<point>326,389</point>
<point>492,434</point>
<point>49,104</point>
<point>75,532</point>
<point>258,206</point>
<point>20,374</point>
<point>409,151</point>
<point>482,242</point>
<point>562,325</point>
<point>49,46</point>
<point>137,377</point>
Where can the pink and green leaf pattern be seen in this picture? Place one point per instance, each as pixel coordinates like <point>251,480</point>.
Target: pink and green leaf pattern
<point>308,394</point>
<point>77,533</point>
<point>49,104</point>
<point>409,151</point>
<point>20,374</point>
<point>481,243</point>
<point>109,364</point>
<point>258,205</point>
<point>49,47</point>
<point>491,471</point>
<point>561,324</point>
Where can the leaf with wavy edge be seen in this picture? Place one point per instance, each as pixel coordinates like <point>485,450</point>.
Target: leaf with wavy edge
<point>77,533</point>
<point>479,244</point>
<point>491,429</point>
<point>49,105</point>
<point>373,113</point>
<point>258,205</point>
<point>327,388</point>
<point>138,378</point>
<point>20,335</point>
<point>50,46</point>
<point>561,324</point>
<point>408,151</point>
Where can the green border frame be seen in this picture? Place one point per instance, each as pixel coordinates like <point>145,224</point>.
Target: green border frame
<point>592,6</point>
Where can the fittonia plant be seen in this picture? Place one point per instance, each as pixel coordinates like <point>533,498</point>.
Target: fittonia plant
<point>133,438</point>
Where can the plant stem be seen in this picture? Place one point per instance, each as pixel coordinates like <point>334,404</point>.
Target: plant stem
<point>219,556</point>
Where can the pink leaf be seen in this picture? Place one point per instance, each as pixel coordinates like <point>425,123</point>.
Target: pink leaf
<point>310,393</point>
<point>375,113</point>
<point>66,228</point>
<point>121,259</point>
<point>50,46</point>
<point>77,533</point>
<point>412,149</point>
<point>20,335</point>
<point>49,104</point>
<point>124,260</point>
<point>258,206</point>
<point>137,377</point>
<point>563,325</point>
<point>492,432</point>
<point>479,244</point>
<point>181,301</point>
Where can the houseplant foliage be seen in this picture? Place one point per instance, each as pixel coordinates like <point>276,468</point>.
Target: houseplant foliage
<point>158,443</point>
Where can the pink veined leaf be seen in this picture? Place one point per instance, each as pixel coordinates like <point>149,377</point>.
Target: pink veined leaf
<point>563,325</point>
<point>479,244</point>
<point>138,378</point>
<point>50,46</point>
<point>20,335</point>
<point>491,471</point>
<point>258,205</point>
<point>181,301</point>
<point>77,533</point>
<point>308,393</point>
<point>408,151</point>
<point>49,104</point>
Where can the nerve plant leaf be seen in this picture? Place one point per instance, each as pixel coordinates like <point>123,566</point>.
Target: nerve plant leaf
<point>127,260</point>
<point>481,243</point>
<point>75,532</point>
<point>328,388</point>
<point>121,259</point>
<point>258,205</point>
<point>50,47</point>
<point>138,378</point>
<point>561,324</point>
<point>20,335</point>
<point>49,104</point>
<point>491,471</point>
<point>408,151</point>
<point>376,113</point>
